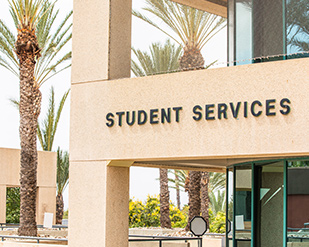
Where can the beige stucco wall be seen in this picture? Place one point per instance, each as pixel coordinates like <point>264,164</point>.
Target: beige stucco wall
<point>46,180</point>
<point>263,136</point>
<point>99,199</point>
<point>215,7</point>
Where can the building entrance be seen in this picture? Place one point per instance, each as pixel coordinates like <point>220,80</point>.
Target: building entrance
<point>261,209</point>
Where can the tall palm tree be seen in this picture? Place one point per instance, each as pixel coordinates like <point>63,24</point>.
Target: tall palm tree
<point>194,195</point>
<point>216,180</point>
<point>191,28</point>
<point>32,21</point>
<point>161,59</point>
<point>205,195</point>
<point>165,220</point>
<point>46,133</point>
<point>62,182</point>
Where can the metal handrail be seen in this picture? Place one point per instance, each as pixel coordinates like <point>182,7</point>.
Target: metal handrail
<point>38,239</point>
<point>9,225</point>
<point>160,239</point>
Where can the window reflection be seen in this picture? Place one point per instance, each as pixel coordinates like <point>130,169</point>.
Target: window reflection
<point>243,185</point>
<point>297,25</point>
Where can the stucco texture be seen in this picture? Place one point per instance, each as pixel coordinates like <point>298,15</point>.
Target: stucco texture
<point>259,137</point>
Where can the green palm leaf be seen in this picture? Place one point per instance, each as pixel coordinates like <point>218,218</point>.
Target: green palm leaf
<point>62,170</point>
<point>160,59</point>
<point>190,27</point>
<point>47,130</point>
<point>53,60</point>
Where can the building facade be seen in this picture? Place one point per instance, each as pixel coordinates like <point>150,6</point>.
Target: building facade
<point>46,181</point>
<point>248,120</point>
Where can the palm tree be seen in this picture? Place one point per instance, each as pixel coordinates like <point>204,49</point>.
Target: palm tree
<point>210,183</point>
<point>165,220</point>
<point>216,180</point>
<point>161,59</point>
<point>204,195</point>
<point>217,202</point>
<point>177,190</point>
<point>46,133</point>
<point>62,182</point>
<point>33,20</point>
<point>191,28</point>
<point>194,195</point>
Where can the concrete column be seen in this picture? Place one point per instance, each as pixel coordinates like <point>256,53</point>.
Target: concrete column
<point>2,203</point>
<point>99,202</point>
<point>101,40</point>
<point>46,203</point>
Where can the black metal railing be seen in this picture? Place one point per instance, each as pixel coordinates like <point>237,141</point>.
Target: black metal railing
<point>11,225</point>
<point>161,239</point>
<point>37,239</point>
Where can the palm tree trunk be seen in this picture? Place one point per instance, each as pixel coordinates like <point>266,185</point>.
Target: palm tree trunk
<point>164,200</point>
<point>30,104</point>
<point>194,195</point>
<point>59,209</point>
<point>177,189</point>
<point>192,59</point>
<point>205,196</point>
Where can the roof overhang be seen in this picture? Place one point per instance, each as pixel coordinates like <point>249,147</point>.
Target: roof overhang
<point>218,7</point>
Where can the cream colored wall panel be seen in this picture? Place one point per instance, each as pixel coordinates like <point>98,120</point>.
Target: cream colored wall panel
<point>99,199</point>
<point>10,164</point>
<point>120,39</point>
<point>102,40</point>
<point>91,40</point>
<point>46,198</point>
<point>2,204</point>
<point>261,136</point>
<point>207,6</point>
<point>47,169</point>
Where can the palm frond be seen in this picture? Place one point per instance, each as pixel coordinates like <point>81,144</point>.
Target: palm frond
<point>47,130</point>
<point>160,59</point>
<point>63,164</point>
<point>190,27</point>
<point>38,15</point>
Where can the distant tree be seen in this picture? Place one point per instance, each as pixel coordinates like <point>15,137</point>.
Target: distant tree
<point>13,205</point>
<point>47,129</point>
<point>217,201</point>
<point>191,28</point>
<point>62,182</point>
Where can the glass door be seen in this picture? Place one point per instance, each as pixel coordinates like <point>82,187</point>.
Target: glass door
<point>269,204</point>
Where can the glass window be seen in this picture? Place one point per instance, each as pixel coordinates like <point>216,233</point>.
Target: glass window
<point>242,214</point>
<point>230,207</point>
<point>243,31</point>
<point>269,198</point>
<point>297,26</point>
<point>298,203</point>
